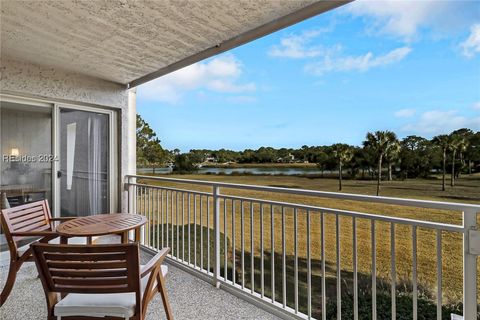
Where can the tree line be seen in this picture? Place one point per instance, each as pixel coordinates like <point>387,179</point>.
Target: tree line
<point>150,153</point>
<point>410,157</point>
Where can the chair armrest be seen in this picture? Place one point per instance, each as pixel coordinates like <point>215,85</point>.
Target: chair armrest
<point>154,262</point>
<point>34,234</point>
<point>54,222</point>
<point>62,218</point>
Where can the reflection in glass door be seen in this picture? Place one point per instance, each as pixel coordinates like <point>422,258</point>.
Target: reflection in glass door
<point>84,162</point>
<point>26,153</point>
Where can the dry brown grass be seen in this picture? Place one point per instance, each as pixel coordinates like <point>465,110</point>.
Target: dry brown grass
<point>467,190</point>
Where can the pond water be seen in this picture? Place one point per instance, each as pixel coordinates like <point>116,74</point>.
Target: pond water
<point>248,170</point>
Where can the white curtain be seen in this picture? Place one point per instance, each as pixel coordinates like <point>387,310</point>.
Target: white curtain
<point>94,165</point>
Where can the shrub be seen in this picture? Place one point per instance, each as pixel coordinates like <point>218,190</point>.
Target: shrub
<point>426,308</point>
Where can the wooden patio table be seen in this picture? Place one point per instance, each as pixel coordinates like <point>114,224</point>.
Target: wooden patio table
<point>100,225</point>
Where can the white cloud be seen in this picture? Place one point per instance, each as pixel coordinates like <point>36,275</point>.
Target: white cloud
<point>218,75</point>
<point>404,19</point>
<point>298,45</point>
<point>332,63</point>
<point>242,99</point>
<point>441,122</point>
<point>220,85</point>
<point>476,106</point>
<point>324,59</point>
<point>405,113</point>
<point>471,46</point>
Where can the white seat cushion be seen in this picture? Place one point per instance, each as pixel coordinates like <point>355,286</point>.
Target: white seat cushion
<point>97,305</point>
<point>101,305</point>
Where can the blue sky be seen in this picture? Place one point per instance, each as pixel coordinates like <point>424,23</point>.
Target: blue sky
<point>409,67</point>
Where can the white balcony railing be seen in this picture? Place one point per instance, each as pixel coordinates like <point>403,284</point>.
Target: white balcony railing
<point>279,254</point>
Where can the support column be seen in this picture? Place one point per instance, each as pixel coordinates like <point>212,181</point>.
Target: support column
<point>469,268</point>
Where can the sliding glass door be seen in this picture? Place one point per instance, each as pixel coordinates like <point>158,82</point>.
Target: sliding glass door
<point>63,153</point>
<point>84,166</point>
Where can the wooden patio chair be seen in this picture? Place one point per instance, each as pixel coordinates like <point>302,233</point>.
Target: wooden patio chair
<point>22,225</point>
<point>99,281</point>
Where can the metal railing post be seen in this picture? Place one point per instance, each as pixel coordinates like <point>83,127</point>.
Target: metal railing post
<point>216,228</point>
<point>469,268</point>
<point>130,205</point>
<point>129,189</point>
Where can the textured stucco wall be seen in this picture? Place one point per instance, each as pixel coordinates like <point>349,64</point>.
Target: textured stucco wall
<point>25,78</point>
<point>28,80</point>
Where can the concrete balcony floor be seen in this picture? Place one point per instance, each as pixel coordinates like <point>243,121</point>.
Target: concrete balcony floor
<point>190,298</point>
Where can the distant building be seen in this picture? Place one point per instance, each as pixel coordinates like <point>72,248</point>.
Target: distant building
<point>288,159</point>
<point>211,159</point>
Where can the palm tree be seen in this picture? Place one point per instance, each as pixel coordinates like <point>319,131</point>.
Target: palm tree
<point>380,142</point>
<point>456,142</point>
<point>443,141</point>
<point>391,156</point>
<point>343,153</point>
<point>462,148</point>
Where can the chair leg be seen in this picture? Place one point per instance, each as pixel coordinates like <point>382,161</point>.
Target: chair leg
<point>163,293</point>
<point>12,275</point>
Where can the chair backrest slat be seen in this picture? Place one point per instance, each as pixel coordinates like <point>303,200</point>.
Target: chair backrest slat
<point>79,265</point>
<point>81,257</point>
<point>33,216</point>
<point>17,224</point>
<point>25,209</point>
<point>34,226</point>
<point>88,274</point>
<point>88,269</point>
<point>15,219</point>
<point>94,281</point>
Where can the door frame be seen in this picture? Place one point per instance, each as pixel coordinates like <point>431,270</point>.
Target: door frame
<point>113,144</point>
<point>112,150</point>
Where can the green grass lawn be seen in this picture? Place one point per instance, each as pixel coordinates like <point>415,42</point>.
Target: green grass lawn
<point>467,190</point>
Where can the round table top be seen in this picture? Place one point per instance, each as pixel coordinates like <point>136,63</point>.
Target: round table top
<point>100,225</point>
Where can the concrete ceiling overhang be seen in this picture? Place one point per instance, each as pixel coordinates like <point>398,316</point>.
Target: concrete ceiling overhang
<point>132,42</point>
